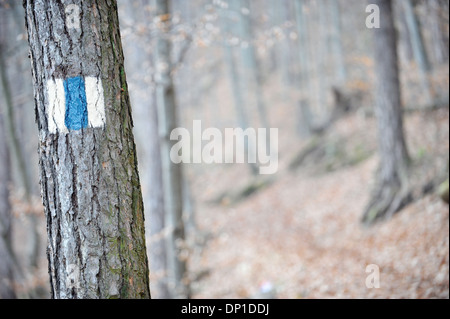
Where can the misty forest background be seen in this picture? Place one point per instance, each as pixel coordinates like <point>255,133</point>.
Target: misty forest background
<point>304,67</point>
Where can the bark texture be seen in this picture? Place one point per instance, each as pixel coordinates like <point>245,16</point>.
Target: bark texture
<point>89,179</point>
<point>390,192</point>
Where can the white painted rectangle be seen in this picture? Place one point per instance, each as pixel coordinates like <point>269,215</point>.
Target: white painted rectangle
<point>95,102</point>
<point>56,110</point>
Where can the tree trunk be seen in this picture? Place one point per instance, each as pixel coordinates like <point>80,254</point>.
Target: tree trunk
<point>252,77</point>
<point>282,47</point>
<point>156,208</point>
<point>250,62</point>
<point>337,47</point>
<point>439,34</point>
<point>322,65</point>
<point>172,173</point>
<point>89,179</point>
<point>235,81</point>
<point>6,257</point>
<point>418,47</point>
<point>404,37</point>
<point>305,115</point>
<point>16,147</point>
<point>390,193</point>
<point>158,255</point>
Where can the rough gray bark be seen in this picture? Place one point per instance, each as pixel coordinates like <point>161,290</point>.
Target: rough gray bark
<point>89,178</point>
<point>391,188</point>
<point>172,173</point>
<point>6,257</point>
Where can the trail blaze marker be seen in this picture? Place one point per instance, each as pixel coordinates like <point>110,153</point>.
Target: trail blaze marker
<point>76,106</point>
<point>75,103</point>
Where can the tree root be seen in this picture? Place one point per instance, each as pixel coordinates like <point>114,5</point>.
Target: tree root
<point>388,199</point>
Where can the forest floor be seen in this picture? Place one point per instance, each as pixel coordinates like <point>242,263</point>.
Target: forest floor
<point>301,237</point>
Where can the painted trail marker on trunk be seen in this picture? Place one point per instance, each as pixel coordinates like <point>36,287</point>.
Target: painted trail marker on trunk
<point>75,103</point>
<point>76,117</point>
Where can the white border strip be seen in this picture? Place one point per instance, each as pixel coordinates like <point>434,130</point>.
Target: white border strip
<point>56,111</point>
<point>95,102</point>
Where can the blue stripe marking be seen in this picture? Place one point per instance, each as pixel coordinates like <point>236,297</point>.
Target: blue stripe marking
<point>76,106</point>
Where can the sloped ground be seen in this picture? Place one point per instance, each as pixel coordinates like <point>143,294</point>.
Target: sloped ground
<point>302,235</point>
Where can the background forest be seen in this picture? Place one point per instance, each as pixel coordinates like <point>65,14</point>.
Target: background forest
<point>306,67</point>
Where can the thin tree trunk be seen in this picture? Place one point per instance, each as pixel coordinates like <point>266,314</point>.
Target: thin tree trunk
<point>89,178</point>
<point>158,255</point>
<point>404,36</point>
<point>253,70</point>
<point>172,173</point>
<point>189,209</point>
<point>438,33</point>
<point>338,51</point>
<point>323,42</point>
<point>235,81</point>
<point>10,123</point>
<point>419,51</point>
<point>281,47</point>
<point>15,146</point>
<point>390,192</point>
<point>139,61</point>
<point>6,254</point>
<point>305,87</point>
